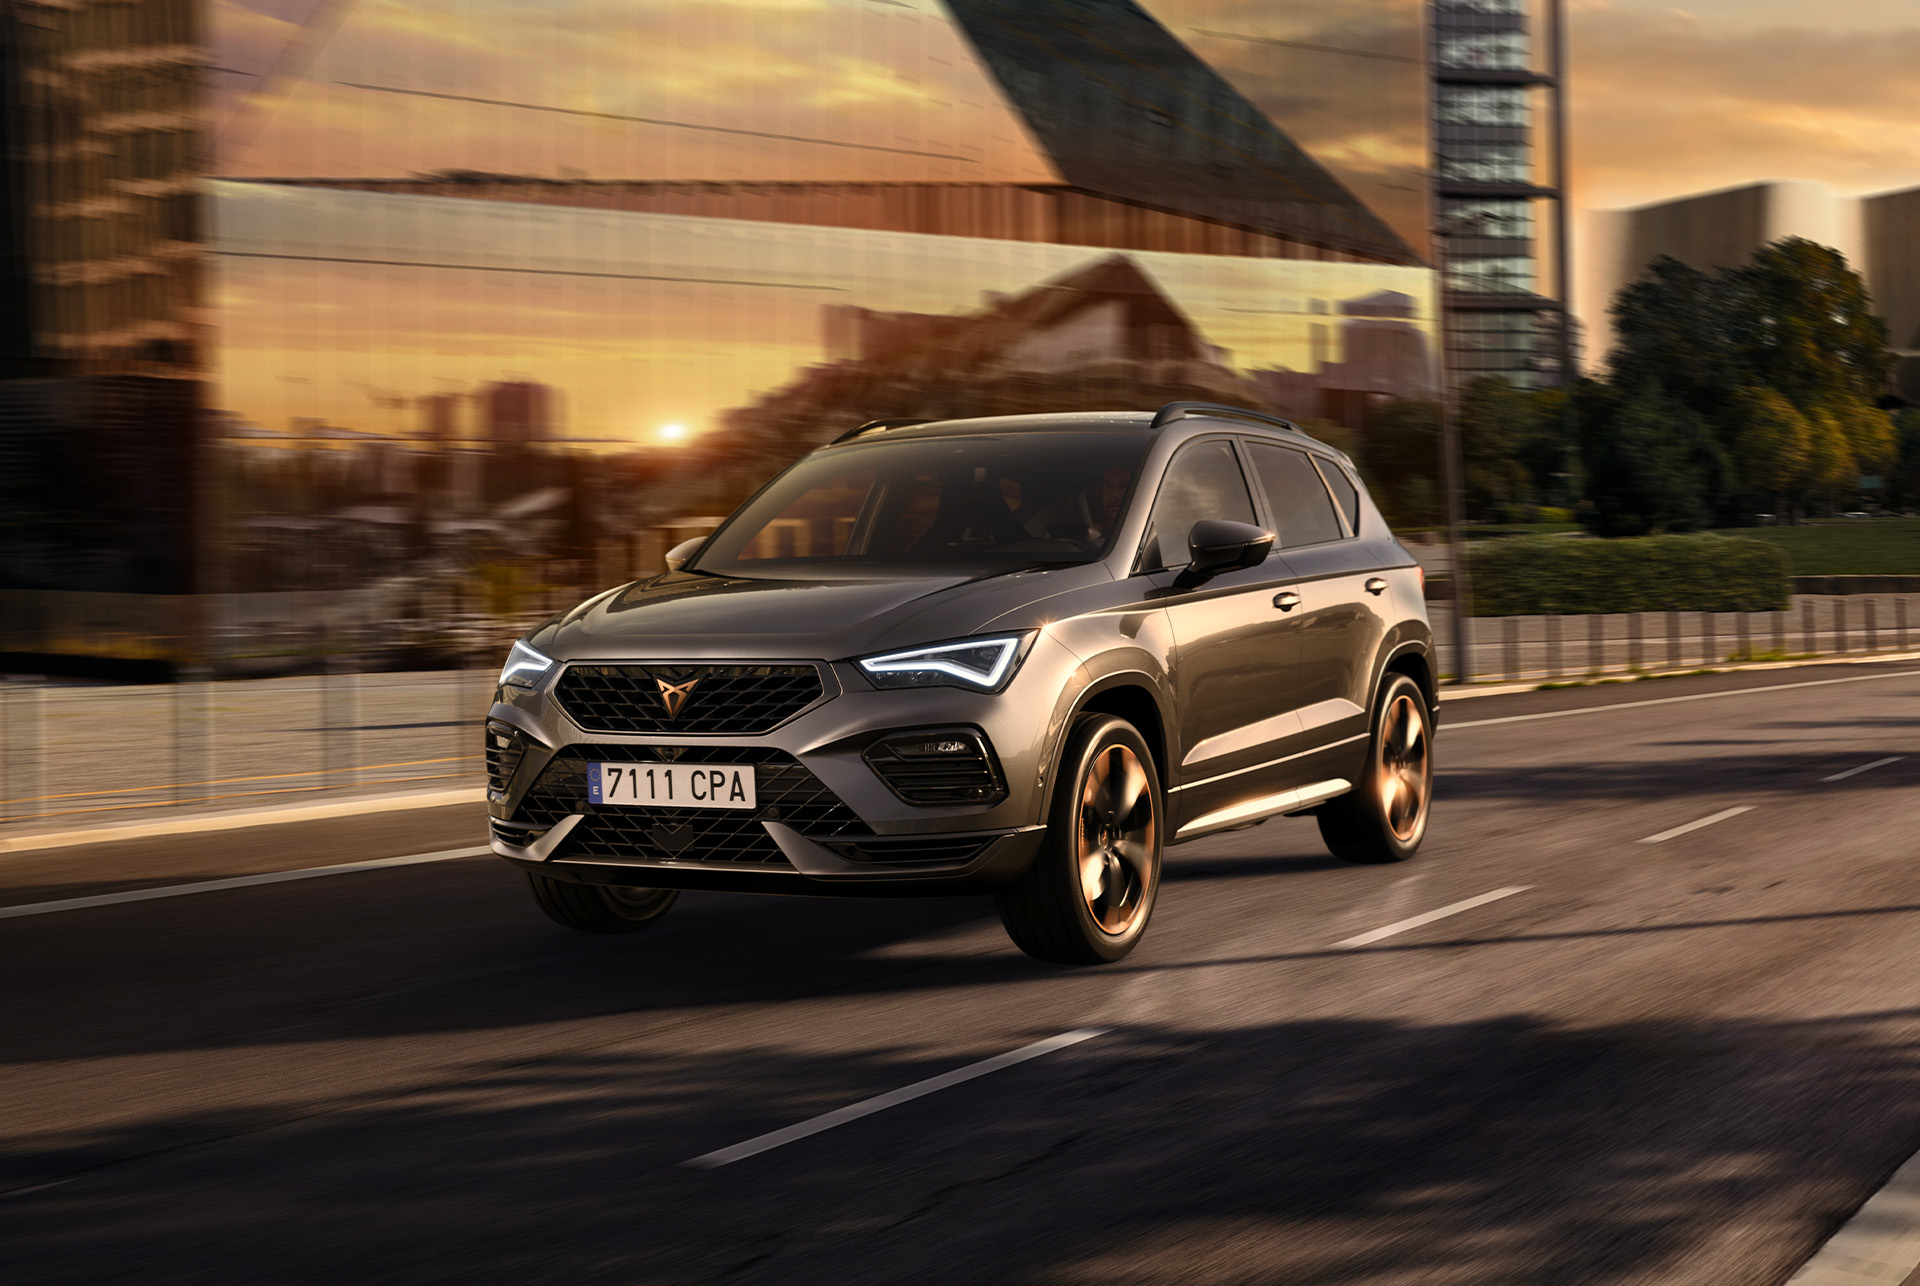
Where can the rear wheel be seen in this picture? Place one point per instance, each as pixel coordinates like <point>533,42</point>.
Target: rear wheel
<point>1384,817</point>
<point>600,908</point>
<point>1087,897</point>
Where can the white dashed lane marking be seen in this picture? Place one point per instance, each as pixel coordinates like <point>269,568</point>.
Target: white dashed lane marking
<point>892,1098</point>
<point>1678,831</point>
<point>1428,917</point>
<point>1855,772</point>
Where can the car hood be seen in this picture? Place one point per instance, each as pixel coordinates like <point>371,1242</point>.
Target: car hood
<point>693,616</point>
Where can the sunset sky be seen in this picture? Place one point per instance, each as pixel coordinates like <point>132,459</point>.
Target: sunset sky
<point>1665,101</point>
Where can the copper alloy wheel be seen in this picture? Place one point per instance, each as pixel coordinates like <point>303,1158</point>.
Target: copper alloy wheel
<point>1405,766</point>
<point>1116,838</point>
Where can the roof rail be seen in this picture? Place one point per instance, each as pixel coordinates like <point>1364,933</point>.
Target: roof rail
<point>874,426</point>
<point>1181,410</point>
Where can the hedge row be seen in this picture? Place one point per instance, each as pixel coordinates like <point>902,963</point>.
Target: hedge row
<point>1545,575</point>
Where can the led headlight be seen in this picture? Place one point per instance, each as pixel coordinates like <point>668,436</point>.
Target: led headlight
<point>525,667</point>
<point>984,664</point>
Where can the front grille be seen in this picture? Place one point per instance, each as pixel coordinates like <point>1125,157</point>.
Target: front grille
<point>939,766</point>
<point>505,749</point>
<point>733,700</point>
<point>787,793</point>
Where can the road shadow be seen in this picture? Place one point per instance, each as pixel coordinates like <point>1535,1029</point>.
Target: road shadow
<point>1798,768</point>
<point>1508,1151</point>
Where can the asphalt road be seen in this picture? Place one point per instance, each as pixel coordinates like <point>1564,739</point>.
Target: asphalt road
<point>1674,1062</point>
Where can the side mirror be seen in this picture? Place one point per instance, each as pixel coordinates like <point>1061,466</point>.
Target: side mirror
<point>1217,545</point>
<point>678,555</point>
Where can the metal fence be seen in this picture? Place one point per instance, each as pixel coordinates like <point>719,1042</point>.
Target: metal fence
<point>1547,648</point>
<point>76,754</point>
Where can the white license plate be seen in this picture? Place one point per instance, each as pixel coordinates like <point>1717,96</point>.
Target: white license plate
<point>671,785</point>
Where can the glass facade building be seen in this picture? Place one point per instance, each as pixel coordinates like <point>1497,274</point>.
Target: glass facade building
<point>502,249</point>
<point>1500,320</point>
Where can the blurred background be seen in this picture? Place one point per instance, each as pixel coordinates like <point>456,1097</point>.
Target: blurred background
<point>343,340</point>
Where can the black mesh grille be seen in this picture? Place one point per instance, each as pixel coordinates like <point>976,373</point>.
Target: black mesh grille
<point>787,793</point>
<point>734,700</point>
<point>505,748</point>
<point>938,767</point>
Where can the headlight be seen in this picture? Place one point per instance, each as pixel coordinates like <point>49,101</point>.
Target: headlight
<point>984,664</point>
<point>525,667</point>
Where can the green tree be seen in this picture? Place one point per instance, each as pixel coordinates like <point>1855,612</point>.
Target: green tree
<point>1903,480</point>
<point>1672,332</point>
<point>1497,420</point>
<point>1401,456</point>
<point>1772,442</point>
<point>1795,320</point>
<point>1831,469</point>
<point>1642,456</point>
<point>1798,318</point>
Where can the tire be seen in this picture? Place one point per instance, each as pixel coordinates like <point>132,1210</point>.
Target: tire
<point>1089,893</point>
<point>600,908</point>
<point>1384,817</point>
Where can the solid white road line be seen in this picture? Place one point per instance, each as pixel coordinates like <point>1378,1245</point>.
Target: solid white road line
<point>893,1098</point>
<point>1855,772</point>
<point>1662,701</point>
<point>1720,816</point>
<point>1879,1246</point>
<point>235,882</point>
<point>1414,922</point>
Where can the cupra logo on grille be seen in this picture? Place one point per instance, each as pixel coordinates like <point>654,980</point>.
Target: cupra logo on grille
<point>674,695</point>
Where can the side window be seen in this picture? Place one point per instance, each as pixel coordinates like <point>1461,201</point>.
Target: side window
<point>1343,491</point>
<point>1295,494</point>
<point>1204,481</point>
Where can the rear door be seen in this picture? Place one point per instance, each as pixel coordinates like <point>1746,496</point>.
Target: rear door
<point>1314,508</point>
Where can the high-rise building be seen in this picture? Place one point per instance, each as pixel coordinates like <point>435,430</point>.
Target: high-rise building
<point>518,413</point>
<point>1489,192</point>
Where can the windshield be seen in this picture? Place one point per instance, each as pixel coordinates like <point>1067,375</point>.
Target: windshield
<point>953,504</point>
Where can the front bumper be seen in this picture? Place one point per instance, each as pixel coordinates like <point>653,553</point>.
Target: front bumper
<point>826,821</point>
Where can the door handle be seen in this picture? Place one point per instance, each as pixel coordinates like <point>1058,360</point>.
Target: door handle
<point>1376,585</point>
<point>1286,600</point>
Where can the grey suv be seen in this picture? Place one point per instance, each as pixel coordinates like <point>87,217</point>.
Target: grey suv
<point>1015,656</point>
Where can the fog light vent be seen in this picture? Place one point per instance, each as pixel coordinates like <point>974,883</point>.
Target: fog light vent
<point>505,748</point>
<point>939,766</point>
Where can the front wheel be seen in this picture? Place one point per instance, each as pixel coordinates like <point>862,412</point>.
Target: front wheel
<point>600,908</point>
<point>1384,817</point>
<point>1087,897</point>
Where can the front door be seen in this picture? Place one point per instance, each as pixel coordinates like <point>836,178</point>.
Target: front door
<point>1232,643</point>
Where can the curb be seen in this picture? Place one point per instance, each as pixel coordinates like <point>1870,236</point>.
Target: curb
<point>207,822</point>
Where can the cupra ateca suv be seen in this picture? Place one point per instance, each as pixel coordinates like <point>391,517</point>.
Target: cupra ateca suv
<point>1016,656</point>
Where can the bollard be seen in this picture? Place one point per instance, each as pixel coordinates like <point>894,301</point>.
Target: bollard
<point>22,752</point>
<point>189,715</point>
<point>1840,625</point>
<point>1872,606</point>
<point>1553,647</point>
